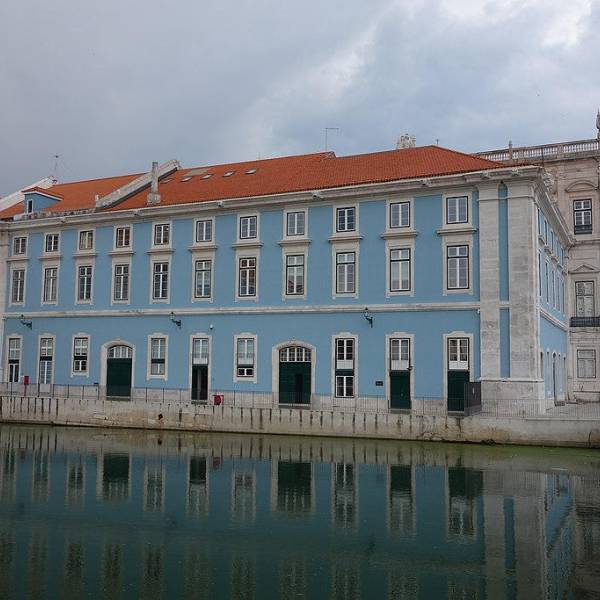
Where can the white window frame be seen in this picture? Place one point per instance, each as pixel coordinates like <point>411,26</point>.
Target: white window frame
<point>197,222</point>
<point>587,218</point>
<point>459,364</point>
<point>458,259</point>
<point>78,299</point>
<point>19,338</point>
<point>590,360</point>
<point>243,336</point>
<point>120,263</point>
<point>400,248</point>
<point>45,267</point>
<point>286,216</point>
<point>400,335</point>
<point>242,228</point>
<point>161,338</point>
<point>13,270</point>
<point>155,229</point>
<point>129,246</point>
<point>86,235</point>
<point>80,336</point>
<point>238,258</point>
<point>47,235</point>
<point>343,365</point>
<point>457,240</point>
<point>156,261</point>
<point>592,296</point>
<point>340,224</point>
<point>448,198</point>
<point>200,335</point>
<point>195,260</point>
<point>286,257</point>
<point>401,203</point>
<point>52,361</point>
<point>23,241</point>
<point>446,362</point>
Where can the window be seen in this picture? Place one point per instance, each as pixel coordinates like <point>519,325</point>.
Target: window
<point>400,270</point>
<point>294,275</point>
<point>345,269</point>
<point>19,245</point>
<point>458,267</point>
<point>80,355</point>
<point>204,230</point>
<point>247,277</point>
<point>123,237</point>
<point>46,356</point>
<point>586,364</point>
<point>345,219</point>
<point>200,351</point>
<point>245,357</point>
<point>86,240</point>
<point>540,274</point>
<point>584,298</point>
<point>457,209</point>
<point>400,214</point>
<point>51,242</point>
<point>344,367</point>
<point>582,216</point>
<point>158,354</point>
<point>84,283</point>
<point>248,227</point>
<point>399,354</point>
<point>162,234</point>
<point>160,281</point>
<point>17,295</point>
<point>14,359</point>
<point>121,283</point>
<point>202,279</point>
<point>29,206</point>
<point>50,283</point>
<point>458,354</point>
<point>296,223</point>
<point>547,296</point>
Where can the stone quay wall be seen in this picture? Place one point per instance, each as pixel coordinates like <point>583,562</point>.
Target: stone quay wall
<point>167,415</point>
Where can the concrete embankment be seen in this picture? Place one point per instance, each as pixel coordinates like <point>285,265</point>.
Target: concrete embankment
<point>546,431</point>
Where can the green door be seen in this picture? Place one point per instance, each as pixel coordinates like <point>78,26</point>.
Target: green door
<point>118,377</point>
<point>200,383</point>
<point>294,383</point>
<point>456,390</point>
<point>400,389</point>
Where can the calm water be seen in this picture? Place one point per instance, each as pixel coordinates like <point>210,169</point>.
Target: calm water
<point>121,514</point>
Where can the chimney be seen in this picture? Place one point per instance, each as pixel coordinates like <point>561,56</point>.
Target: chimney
<point>406,141</point>
<point>154,196</point>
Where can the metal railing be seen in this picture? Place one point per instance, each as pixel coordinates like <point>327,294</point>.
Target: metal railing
<point>584,322</point>
<point>419,406</point>
<point>542,151</point>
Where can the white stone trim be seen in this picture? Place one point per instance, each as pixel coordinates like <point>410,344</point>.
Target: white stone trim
<point>200,253</point>
<point>50,265</point>
<point>341,246</point>
<point>456,239</point>
<point>240,253</point>
<point>275,363</point>
<point>120,260</point>
<point>11,253</point>
<point>159,258</point>
<point>129,248</point>
<point>83,251</point>
<point>196,244</point>
<point>161,247</point>
<point>72,355</point>
<point>236,337</point>
<point>388,214</point>
<point>17,267</point>
<point>206,336</point>
<point>399,244</point>
<point>150,337</point>
<point>238,226</point>
<point>468,192</point>
<point>84,262</point>
<point>411,363</point>
<point>60,241</point>
<point>6,345</point>
<point>301,248</point>
<point>295,238</point>
<point>445,338</point>
<point>51,336</point>
<point>345,203</point>
<point>334,337</point>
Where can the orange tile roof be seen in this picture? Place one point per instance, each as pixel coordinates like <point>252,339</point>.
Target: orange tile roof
<point>275,176</point>
<point>40,190</point>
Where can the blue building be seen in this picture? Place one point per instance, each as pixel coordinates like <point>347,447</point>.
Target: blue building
<point>400,275</point>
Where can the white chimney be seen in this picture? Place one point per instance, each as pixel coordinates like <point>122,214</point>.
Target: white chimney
<point>406,141</point>
<point>154,196</point>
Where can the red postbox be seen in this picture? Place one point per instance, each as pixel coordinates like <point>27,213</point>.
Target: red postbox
<point>218,399</point>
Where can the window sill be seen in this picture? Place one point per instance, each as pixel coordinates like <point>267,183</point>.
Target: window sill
<point>51,256</point>
<point>345,237</point>
<point>247,244</point>
<point>17,258</point>
<point>160,250</point>
<point>85,254</point>
<point>294,241</point>
<point>121,252</point>
<point>202,246</point>
<point>401,232</point>
<point>456,229</point>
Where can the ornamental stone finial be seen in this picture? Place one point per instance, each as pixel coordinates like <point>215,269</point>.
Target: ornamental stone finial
<point>598,123</point>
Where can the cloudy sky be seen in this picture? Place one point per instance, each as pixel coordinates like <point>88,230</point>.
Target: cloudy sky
<point>112,85</point>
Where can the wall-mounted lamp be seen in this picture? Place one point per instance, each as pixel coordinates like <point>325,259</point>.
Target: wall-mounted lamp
<point>174,320</point>
<point>368,316</point>
<point>25,322</point>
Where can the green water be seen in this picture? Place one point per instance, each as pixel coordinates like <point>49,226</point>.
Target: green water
<point>128,514</point>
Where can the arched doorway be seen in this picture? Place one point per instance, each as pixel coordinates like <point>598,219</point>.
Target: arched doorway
<point>119,360</point>
<point>295,375</point>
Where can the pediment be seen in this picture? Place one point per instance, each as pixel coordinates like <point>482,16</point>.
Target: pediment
<point>584,268</point>
<point>581,185</point>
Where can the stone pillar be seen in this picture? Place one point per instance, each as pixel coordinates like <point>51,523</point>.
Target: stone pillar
<point>489,281</point>
<point>3,290</point>
<point>522,257</point>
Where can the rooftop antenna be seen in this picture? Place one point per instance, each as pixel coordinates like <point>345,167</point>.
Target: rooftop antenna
<point>327,130</point>
<point>56,159</point>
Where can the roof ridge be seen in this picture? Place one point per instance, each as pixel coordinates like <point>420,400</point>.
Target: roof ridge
<point>260,160</point>
<point>97,179</point>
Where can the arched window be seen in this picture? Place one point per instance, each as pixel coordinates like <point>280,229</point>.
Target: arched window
<point>119,352</point>
<point>294,354</point>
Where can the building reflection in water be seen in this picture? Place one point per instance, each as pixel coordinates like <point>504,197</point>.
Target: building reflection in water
<point>291,518</point>
<point>344,495</point>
